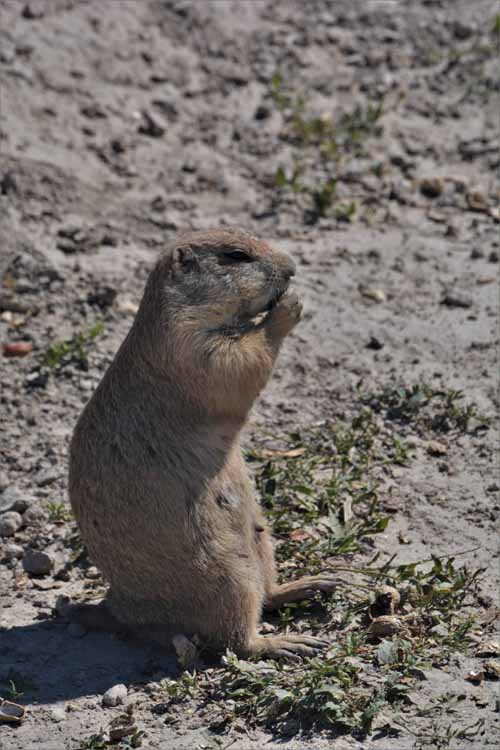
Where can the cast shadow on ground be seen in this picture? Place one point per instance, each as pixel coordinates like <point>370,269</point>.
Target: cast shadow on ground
<point>49,664</point>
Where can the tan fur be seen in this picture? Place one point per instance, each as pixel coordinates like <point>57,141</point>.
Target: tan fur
<point>158,483</point>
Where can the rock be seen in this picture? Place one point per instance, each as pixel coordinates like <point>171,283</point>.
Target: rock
<point>150,125</point>
<point>46,477</point>
<point>37,563</point>
<point>262,112</point>
<point>11,499</point>
<point>387,600</point>
<point>375,344</point>
<point>383,626</point>
<point>93,111</point>
<point>431,187</point>
<point>58,714</point>
<point>13,551</point>
<point>185,650</point>
<point>492,669</point>
<point>434,448</point>
<point>477,201</point>
<point>377,295</point>
<point>10,522</point>
<point>115,696</point>
<point>462,30</point>
<point>456,299</point>
<point>35,516</point>
<point>440,630</point>
<point>32,11</point>
<point>4,483</point>
<point>63,605</point>
<point>475,676</point>
<point>476,253</point>
<point>37,379</point>
<point>17,348</point>
<point>103,297</point>
<point>92,573</point>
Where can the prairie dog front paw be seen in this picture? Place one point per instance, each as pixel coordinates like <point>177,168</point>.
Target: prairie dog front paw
<point>286,314</point>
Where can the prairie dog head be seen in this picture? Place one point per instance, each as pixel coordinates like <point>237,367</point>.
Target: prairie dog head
<point>221,278</point>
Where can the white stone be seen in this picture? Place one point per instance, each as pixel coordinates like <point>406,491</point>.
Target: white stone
<point>115,696</point>
<point>10,523</point>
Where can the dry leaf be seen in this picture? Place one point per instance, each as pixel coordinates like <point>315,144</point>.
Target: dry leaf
<point>488,648</point>
<point>298,535</point>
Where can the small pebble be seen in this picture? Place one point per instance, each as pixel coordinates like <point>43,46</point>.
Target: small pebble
<point>456,299</point>
<point>375,344</point>
<point>58,714</point>
<point>35,516</point>
<point>37,563</point>
<point>431,187</point>
<point>185,650</point>
<point>440,630</point>
<point>384,626</point>
<point>13,551</point>
<point>151,125</point>
<point>13,499</point>
<point>378,295</point>
<point>435,448</point>
<point>115,696</point>
<point>92,573</point>
<point>10,522</point>
<point>477,200</point>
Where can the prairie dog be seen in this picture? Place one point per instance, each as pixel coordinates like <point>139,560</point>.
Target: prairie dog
<point>158,484</point>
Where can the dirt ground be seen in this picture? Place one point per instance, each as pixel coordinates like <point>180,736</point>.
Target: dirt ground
<point>125,121</point>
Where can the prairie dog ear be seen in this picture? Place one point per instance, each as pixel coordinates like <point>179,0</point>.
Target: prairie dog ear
<point>184,261</point>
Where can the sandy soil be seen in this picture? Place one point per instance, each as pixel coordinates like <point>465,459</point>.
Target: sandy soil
<point>125,121</point>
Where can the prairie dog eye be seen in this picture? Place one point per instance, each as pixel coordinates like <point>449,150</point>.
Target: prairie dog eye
<point>237,256</point>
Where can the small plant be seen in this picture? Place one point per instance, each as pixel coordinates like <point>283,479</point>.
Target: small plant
<point>320,146</point>
<point>102,741</point>
<point>178,690</point>
<point>58,512</point>
<point>323,196</point>
<point>72,351</point>
<point>95,742</point>
<point>439,410</point>
<point>15,685</point>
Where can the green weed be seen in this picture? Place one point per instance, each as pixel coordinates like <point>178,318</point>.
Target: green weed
<point>58,512</point>
<point>72,351</point>
<point>438,410</point>
<point>15,685</point>
<point>319,148</point>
